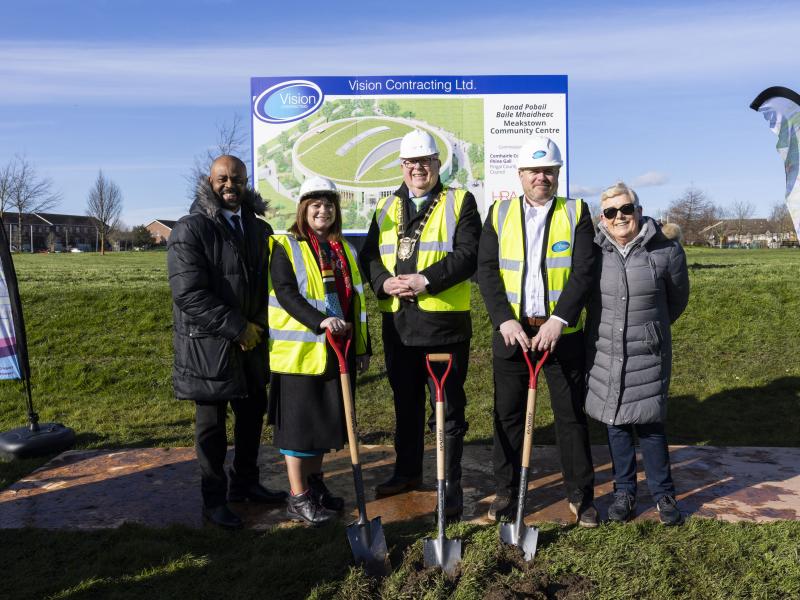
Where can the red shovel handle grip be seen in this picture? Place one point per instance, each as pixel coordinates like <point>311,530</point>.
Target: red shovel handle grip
<point>439,384</point>
<point>342,356</point>
<point>533,373</point>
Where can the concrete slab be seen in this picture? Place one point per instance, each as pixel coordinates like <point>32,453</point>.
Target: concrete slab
<point>159,487</point>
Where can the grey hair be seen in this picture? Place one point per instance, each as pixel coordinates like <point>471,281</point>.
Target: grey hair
<point>618,189</point>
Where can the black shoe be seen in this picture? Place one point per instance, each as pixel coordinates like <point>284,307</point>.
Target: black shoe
<point>585,513</point>
<point>222,516</point>
<point>255,492</point>
<point>322,495</point>
<point>304,508</point>
<point>453,493</point>
<point>668,511</point>
<point>453,498</point>
<point>623,508</point>
<point>398,483</point>
<point>503,506</point>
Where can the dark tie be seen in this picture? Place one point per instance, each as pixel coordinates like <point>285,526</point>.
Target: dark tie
<point>412,208</point>
<point>238,233</point>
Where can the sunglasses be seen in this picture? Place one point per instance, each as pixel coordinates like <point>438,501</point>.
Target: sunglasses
<point>625,209</point>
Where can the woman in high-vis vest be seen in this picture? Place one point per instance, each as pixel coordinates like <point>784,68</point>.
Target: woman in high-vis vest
<point>315,285</point>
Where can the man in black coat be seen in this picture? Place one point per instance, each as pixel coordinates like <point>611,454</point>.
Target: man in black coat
<point>218,257</point>
<point>425,306</point>
<point>535,280</point>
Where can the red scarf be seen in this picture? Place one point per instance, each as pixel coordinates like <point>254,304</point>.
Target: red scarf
<point>336,279</point>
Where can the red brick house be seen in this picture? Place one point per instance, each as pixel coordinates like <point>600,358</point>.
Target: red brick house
<point>160,230</point>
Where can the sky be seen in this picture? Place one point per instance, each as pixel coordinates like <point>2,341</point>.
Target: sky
<point>658,94</point>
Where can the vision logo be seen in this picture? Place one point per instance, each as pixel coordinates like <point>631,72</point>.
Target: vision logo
<point>561,246</point>
<point>288,101</point>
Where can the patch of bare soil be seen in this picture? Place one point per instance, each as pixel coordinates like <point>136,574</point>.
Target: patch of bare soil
<point>535,584</point>
<point>421,578</point>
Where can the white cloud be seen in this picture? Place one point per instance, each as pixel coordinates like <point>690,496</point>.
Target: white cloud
<point>650,179</point>
<point>658,47</point>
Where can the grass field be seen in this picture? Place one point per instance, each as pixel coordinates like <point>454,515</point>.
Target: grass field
<point>99,333</point>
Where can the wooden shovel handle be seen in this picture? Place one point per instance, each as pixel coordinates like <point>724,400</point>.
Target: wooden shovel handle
<point>530,417</point>
<point>352,436</point>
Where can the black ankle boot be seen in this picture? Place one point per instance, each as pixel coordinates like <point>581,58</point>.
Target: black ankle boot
<point>322,495</point>
<point>453,494</point>
<point>304,508</point>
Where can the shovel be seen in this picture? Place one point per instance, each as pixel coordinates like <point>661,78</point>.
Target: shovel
<point>517,533</point>
<point>440,551</point>
<point>366,537</point>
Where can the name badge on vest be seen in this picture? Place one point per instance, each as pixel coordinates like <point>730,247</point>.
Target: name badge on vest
<point>405,248</point>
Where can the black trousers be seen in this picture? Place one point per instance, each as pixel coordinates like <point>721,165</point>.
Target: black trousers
<point>211,444</point>
<point>408,376</point>
<point>564,372</point>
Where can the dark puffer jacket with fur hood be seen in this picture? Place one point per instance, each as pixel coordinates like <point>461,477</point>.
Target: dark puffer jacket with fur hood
<point>217,287</point>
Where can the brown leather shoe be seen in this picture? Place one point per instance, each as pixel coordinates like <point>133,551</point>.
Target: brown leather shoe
<point>398,483</point>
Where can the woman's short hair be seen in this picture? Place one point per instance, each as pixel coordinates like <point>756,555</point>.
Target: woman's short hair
<point>618,189</point>
<point>300,225</point>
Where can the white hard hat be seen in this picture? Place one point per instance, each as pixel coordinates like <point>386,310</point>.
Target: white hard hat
<point>417,143</point>
<point>317,185</point>
<point>539,151</point>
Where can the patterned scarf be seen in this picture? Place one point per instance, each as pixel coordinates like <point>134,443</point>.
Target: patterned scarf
<point>336,280</point>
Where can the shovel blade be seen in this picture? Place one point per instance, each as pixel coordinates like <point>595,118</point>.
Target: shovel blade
<point>368,544</point>
<point>526,538</point>
<point>444,553</point>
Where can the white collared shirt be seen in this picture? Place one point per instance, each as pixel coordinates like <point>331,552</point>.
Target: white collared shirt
<point>533,290</point>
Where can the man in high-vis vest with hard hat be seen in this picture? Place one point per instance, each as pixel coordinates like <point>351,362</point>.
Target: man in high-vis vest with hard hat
<point>534,271</point>
<point>419,255</point>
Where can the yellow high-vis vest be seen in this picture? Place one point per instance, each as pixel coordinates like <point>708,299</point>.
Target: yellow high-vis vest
<point>293,347</point>
<point>435,242</point>
<point>508,222</point>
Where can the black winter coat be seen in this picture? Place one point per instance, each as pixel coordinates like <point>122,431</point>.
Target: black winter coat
<point>218,286</point>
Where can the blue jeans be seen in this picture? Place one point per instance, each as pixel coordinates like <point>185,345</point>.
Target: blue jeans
<point>653,442</point>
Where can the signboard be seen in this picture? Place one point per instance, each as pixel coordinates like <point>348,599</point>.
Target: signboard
<point>348,129</point>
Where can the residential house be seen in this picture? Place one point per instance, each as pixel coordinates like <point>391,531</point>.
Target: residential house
<point>51,232</point>
<point>160,230</point>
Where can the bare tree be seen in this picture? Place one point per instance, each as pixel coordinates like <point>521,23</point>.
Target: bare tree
<point>121,234</point>
<point>7,179</point>
<point>693,211</point>
<point>780,219</point>
<point>105,205</point>
<point>30,193</point>
<point>232,138</point>
<point>740,212</point>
